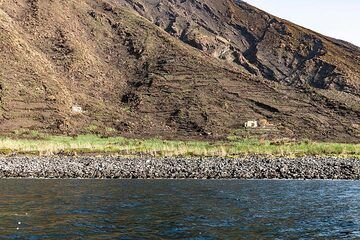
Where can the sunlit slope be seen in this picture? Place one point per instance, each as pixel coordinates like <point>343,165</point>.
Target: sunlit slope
<point>116,67</point>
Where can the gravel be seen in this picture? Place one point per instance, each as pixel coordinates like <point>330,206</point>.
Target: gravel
<point>180,168</point>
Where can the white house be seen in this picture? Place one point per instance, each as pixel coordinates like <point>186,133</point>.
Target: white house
<point>251,124</point>
<point>77,109</point>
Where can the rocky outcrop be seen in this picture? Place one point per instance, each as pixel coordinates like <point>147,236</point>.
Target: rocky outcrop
<point>180,168</point>
<point>256,41</point>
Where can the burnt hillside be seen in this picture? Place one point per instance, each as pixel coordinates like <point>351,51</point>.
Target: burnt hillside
<point>190,68</point>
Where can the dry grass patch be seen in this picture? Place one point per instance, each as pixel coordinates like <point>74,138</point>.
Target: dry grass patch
<point>155,147</point>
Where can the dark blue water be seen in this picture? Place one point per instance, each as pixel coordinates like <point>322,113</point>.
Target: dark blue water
<point>166,209</point>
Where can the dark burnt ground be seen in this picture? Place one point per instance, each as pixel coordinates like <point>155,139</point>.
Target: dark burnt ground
<point>173,69</point>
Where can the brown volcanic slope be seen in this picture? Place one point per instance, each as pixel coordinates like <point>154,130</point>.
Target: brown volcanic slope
<point>166,68</point>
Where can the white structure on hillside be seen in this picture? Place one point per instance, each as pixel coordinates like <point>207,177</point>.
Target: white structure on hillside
<point>77,109</point>
<point>252,124</point>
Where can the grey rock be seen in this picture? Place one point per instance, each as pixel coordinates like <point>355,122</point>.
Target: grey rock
<point>253,167</point>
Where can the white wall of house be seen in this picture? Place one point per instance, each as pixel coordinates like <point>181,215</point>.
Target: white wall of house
<point>251,124</point>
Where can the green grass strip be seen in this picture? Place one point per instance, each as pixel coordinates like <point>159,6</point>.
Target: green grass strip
<point>52,145</point>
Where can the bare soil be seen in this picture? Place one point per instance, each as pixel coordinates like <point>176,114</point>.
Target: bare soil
<point>190,69</point>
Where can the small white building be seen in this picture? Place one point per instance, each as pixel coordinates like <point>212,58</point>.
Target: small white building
<point>77,109</point>
<point>252,124</point>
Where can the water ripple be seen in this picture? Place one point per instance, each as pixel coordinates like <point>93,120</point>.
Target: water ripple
<point>159,209</point>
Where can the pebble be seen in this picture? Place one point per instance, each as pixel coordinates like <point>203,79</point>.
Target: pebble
<point>253,167</point>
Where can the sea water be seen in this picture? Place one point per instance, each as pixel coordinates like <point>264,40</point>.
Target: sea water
<point>174,209</point>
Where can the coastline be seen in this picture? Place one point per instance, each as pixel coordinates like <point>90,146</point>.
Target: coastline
<point>251,167</point>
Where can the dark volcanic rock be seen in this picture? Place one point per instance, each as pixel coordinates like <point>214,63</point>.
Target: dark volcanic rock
<point>184,68</point>
<point>180,168</point>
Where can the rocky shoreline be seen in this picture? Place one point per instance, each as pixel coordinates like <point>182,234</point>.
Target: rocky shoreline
<point>180,168</point>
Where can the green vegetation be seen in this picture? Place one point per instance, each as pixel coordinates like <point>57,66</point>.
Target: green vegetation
<point>91,128</point>
<point>49,145</point>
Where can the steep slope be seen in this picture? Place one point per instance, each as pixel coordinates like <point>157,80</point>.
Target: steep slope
<point>166,68</point>
<point>258,42</point>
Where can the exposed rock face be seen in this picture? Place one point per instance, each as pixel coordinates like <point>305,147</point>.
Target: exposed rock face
<point>204,168</point>
<point>163,68</point>
<point>259,43</point>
